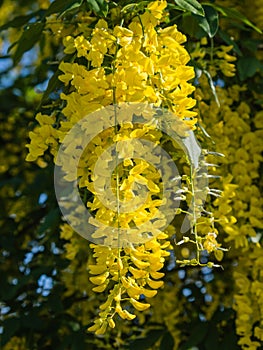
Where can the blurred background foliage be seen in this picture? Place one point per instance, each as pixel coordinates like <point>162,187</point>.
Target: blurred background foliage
<point>45,298</point>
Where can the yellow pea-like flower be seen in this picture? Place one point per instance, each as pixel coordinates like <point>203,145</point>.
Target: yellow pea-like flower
<point>93,328</point>
<point>162,235</point>
<point>156,275</point>
<point>156,265</point>
<point>149,293</point>
<point>155,259</point>
<point>124,314</point>
<point>139,263</point>
<point>138,254</point>
<point>101,288</point>
<point>97,269</point>
<point>120,264</point>
<point>107,304</point>
<point>164,246</point>
<point>138,273</point>
<point>152,244</point>
<point>111,323</point>
<point>219,254</point>
<point>102,329</point>
<point>96,326</point>
<point>139,168</point>
<point>100,279</point>
<point>138,305</point>
<point>125,282</point>
<point>154,284</point>
<point>134,292</point>
<point>157,8</point>
<point>153,187</point>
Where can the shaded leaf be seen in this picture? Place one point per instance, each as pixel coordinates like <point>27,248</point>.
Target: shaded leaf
<point>248,66</point>
<point>32,321</point>
<point>234,14</point>
<point>148,341</point>
<point>167,342</point>
<point>251,44</point>
<point>203,23</point>
<point>211,16</point>
<point>191,27</point>
<point>20,20</point>
<point>192,6</point>
<point>212,339</point>
<point>10,326</point>
<point>98,6</point>
<point>209,23</point>
<point>28,39</point>
<point>53,83</point>
<point>59,6</point>
<point>74,6</point>
<point>230,340</point>
<point>196,336</point>
<point>228,40</point>
<point>50,221</point>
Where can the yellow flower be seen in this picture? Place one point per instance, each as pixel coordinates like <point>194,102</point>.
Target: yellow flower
<point>82,45</point>
<point>138,305</point>
<point>124,314</point>
<point>156,8</point>
<point>124,35</point>
<point>69,44</point>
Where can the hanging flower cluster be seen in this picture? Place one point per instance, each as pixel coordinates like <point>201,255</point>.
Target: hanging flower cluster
<point>133,274</point>
<point>144,63</point>
<point>248,299</point>
<point>238,212</point>
<point>219,60</point>
<point>254,13</point>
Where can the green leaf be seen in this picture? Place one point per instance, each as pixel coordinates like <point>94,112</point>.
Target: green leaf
<point>230,340</point>
<point>53,83</point>
<point>190,26</point>
<point>167,342</point>
<point>59,6</point>
<point>227,39</point>
<point>251,45</point>
<point>192,6</point>
<point>209,23</point>
<point>50,221</point>
<point>10,327</point>
<point>130,7</point>
<point>234,14</point>
<point>74,6</point>
<point>197,335</point>
<point>211,16</point>
<point>148,341</point>
<point>100,7</point>
<point>19,21</point>
<point>212,339</point>
<point>28,39</point>
<point>203,23</point>
<point>32,321</point>
<point>55,303</point>
<point>248,66</point>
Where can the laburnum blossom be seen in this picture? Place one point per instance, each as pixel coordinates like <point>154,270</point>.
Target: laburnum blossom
<point>135,275</point>
<point>138,63</point>
<point>238,212</point>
